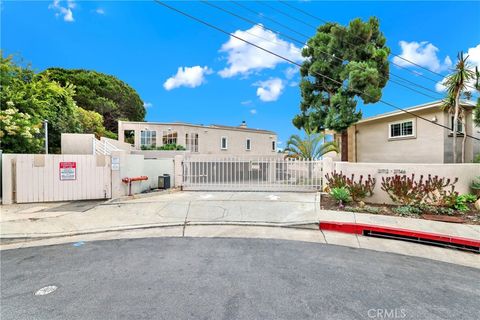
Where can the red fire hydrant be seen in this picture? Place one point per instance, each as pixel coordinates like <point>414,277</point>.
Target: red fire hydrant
<point>129,181</point>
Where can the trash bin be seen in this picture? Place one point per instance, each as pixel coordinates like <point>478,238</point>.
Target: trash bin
<point>164,181</point>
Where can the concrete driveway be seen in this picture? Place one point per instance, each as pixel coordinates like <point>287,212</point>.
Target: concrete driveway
<point>164,209</point>
<point>268,207</point>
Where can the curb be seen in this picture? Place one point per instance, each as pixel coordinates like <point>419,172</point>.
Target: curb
<point>297,225</point>
<point>405,234</point>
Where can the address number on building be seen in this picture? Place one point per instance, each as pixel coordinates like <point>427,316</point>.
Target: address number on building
<point>68,170</point>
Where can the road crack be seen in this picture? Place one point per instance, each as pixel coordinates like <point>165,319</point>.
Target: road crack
<point>186,221</point>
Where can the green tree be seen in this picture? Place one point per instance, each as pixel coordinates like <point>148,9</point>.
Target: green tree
<point>18,131</point>
<point>456,84</point>
<point>105,94</point>
<point>311,146</point>
<point>27,99</point>
<point>92,122</point>
<point>356,58</point>
<point>476,111</point>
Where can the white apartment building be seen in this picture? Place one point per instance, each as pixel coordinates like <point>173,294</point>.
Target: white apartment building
<point>201,139</point>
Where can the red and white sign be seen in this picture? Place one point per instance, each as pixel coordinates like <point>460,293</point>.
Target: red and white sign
<point>68,170</point>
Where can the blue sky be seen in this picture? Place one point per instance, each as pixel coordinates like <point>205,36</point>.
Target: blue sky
<point>222,81</point>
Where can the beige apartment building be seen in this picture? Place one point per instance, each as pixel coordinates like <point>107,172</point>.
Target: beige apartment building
<point>200,139</point>
<point>404,138</point>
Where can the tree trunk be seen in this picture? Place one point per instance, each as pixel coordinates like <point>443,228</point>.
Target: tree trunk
<point>344,145</point>
<point>455,126</point>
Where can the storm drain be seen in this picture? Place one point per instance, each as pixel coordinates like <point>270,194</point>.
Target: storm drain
<point>435,243</point>
<point>422,237</point>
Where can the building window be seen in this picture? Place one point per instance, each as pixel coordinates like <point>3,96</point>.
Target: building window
<point>148,138</point>
<point>248,144</point>
<point>191,141</point>
<point>169,137</point>
<point>460,128</point>
<point>274,145</point>
<point>224,143</point>
<point>129,136</point>
<point>401,129</point>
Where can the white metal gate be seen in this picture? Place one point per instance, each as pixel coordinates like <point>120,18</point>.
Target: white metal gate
<point>251,174</point>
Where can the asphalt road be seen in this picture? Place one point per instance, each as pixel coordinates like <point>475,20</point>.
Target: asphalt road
<point>203,278</point>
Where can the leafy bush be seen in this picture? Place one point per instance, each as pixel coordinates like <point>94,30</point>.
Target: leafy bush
<point>436,210</point>
<point>341,195</point>
<point>407,211</point>
<point>470,198</point>
<point>459,202</point>
<point>362,188</point>
<point>476,159</point>
<point>408,191</point>
<point>336,180</point>
<point>358,189</point>
<point>368,209</point>
<point>476,183</point>
<point>169,147</point>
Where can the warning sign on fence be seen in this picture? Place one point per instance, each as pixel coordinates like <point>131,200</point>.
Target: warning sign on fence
<point>68,170</point>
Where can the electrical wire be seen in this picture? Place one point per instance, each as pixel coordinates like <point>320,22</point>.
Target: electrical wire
<point>295,63</point>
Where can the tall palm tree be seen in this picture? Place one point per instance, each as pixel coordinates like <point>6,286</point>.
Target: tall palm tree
<point>476,111</point>
<point>312,146</point>
<point>456,84</point>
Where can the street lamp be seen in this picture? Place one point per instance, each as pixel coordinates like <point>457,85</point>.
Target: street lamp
<point>45,129</point>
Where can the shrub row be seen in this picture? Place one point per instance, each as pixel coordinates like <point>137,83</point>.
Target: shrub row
<point>424,192</point>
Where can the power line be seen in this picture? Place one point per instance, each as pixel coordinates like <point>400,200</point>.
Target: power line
<point>335,57</point>
<point>293,62</point>
<point>325,21</point>
<point>396,64</point>
<point>287,15</point>
<point>270,19</point>
<point>349,43</point>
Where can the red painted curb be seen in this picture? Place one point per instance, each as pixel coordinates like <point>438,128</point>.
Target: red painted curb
<point>359,228</point>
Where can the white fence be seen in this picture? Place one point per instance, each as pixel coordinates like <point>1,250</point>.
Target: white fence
<point>41,178</point>
<point>251,174</point>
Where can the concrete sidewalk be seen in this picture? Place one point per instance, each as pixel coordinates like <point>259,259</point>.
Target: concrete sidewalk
<point>223,214</point>
<point>167,209</point>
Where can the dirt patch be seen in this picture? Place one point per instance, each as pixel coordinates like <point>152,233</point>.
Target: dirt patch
<point>470,217</point>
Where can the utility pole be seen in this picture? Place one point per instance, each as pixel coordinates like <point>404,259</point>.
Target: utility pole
<point>45,129</point>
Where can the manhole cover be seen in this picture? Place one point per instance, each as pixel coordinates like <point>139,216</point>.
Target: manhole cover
<point>45,290</point>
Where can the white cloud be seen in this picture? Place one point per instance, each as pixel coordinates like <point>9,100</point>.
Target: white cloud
<point>422,53</point>
<point>253,111</point>
<point>270,90</point>
<point>474,56</point>
<point>246,102</point>
<point>243,59</point>
<point>147,105</point>
<point>65,11</point>
<point>100,11</point>
<point>439,87</point>
<point>473,60</point>
<point>190,77</point>
<point>290,72</point>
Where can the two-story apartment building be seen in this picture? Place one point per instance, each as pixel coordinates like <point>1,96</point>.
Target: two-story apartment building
<point>201,139</point>
<point>404,137</point>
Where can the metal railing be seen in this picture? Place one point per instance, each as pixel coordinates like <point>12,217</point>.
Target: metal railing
<point>251,174</point>
<point>103,147</point>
